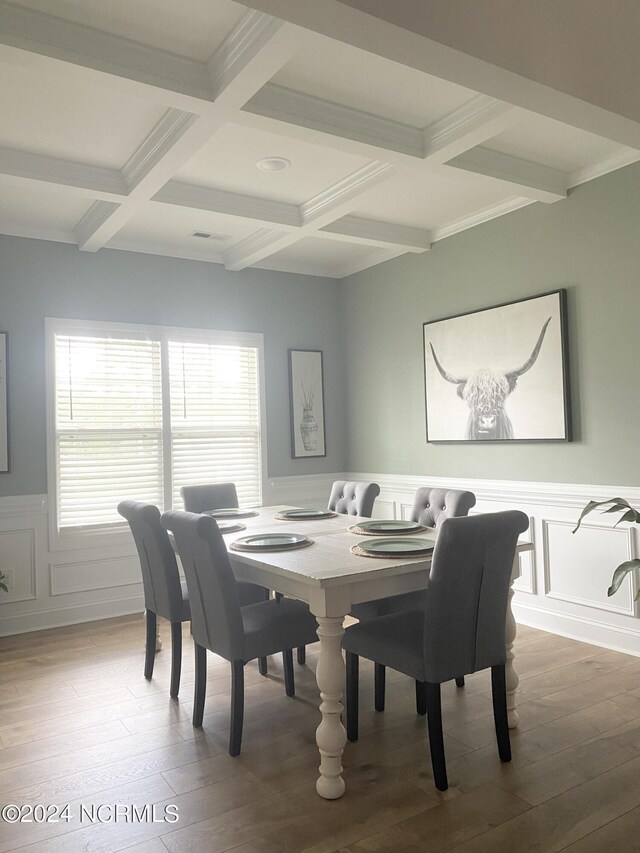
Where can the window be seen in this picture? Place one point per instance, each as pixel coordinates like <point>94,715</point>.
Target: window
<point>138,412</point>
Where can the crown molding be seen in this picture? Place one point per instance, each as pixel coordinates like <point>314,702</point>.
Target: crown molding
<point>480,216</point>
<point>171,127</point>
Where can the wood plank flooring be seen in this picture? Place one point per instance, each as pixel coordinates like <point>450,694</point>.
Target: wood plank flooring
<point>79,725</point>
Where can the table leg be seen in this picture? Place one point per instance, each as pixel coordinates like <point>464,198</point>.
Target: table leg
<point>330,734</point>
<point>510,673</point>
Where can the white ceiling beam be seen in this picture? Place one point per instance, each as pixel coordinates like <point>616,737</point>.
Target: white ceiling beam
<point>45,43</point>
<point>289,217</point>
<point>475,122</point>
<point>326,207</point>
<point>352,131</point>
<point>385,235</point>
<point>533,180</point>
<point>252,52</point>
<point>348,129</point>
<point>26,167</point>
<point>259,210</point>
<point>337,21</point>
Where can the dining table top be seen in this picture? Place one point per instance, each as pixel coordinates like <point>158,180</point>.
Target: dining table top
<point>328,561</point>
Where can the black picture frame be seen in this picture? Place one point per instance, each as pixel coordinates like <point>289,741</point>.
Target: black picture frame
<point>306,403</point>
<point>499,374</point>
<point>5,466</point>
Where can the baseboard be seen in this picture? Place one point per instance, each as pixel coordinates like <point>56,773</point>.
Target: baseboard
<point>618,638</point>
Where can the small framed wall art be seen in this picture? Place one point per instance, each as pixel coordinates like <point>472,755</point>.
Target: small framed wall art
<point>499,374</point>
<point>306,395</point>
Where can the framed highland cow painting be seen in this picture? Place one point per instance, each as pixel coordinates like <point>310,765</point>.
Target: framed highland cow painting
<point>499,374</point>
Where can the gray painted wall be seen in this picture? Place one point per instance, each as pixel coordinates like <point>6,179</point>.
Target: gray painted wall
<point>39,280</point>
<point>589,244</point>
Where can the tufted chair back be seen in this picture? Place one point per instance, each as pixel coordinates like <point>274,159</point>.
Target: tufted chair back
<point>432,506</point>
<point>350,498</point>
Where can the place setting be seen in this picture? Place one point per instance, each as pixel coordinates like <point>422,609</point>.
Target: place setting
<point>304,514</point>
<point>388,547</point>
<point>261,542</point>
<point>232,512</point>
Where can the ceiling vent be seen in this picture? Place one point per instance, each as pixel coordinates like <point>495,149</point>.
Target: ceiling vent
<point>207,235</point>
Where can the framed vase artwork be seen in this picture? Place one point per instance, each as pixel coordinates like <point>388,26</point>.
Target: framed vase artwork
<point>4,406</point>
<point>306,395</point>
<point>499,374</point>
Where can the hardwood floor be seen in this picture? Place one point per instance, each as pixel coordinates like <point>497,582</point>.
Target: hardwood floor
<point>79,725</point>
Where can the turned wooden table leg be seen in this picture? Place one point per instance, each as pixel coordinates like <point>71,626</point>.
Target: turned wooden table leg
<point>511,675</point>
<point>330,734</point>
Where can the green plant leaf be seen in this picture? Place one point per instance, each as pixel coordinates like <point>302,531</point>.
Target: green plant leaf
<point>618,505</point>
<point>620,574</point>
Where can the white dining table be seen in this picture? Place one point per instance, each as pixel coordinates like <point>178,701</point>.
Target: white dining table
<point>330,578</point>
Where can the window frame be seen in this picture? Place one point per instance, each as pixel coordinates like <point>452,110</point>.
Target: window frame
<point>118,534</point>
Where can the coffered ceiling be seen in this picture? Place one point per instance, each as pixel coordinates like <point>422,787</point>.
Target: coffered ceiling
<point>137,125</point>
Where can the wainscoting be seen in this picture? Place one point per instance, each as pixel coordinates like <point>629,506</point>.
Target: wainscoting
<point>562,588</point>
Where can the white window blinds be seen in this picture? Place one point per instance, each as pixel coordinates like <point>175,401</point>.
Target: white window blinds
<point>140,417</point>
<point>215,417</point>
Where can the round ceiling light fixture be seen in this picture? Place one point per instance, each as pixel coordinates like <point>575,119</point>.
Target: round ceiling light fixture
<point>273,164</point>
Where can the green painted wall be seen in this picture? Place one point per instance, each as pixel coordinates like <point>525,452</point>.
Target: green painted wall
<point>589,243</point>
<point>39,280</point>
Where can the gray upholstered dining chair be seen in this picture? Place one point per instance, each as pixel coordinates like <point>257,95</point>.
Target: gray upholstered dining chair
<point>459,630</point>
<point>353,498</point>
<point>430,508</point>
<point>164,594</point>
<point>220,624</point>
<point>208,496</point>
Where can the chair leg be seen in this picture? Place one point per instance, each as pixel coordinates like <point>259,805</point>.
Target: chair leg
<point>237,707</point>
<point>176,658</point>
<point>460,681</point>
<point>262,666</point>
<point>421,698</point>
<point>353,679</point>
<point>302,655</point>
<point>436,739</point>
<point>200,688</point>
<point>379,673</point>
<point>500,718</point>
<point>287,665</point>
<point>150,644</point>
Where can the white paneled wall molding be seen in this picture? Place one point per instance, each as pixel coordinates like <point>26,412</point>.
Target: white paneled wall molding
<point>562,588</point>
<point>564,582</point>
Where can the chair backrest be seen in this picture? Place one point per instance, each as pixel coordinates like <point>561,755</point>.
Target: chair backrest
<point>467,595</point>
<point>216,622</point>
<point>160,576</point>
<point>432,506</point>
<point>209,496</point>
<point>351,498</point>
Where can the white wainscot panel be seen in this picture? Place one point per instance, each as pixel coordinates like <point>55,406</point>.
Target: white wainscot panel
<point>67,578</point>
<point>527,580</point>
<point>384,508</point>
<point>18,563</point>
<point>578,567</point>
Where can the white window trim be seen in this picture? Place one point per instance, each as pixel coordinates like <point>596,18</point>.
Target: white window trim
<point>119,535</point>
